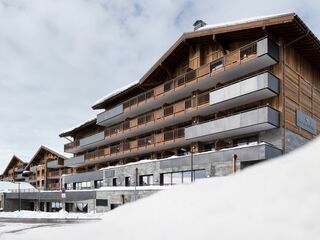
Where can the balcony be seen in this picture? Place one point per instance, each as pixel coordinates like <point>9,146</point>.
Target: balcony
<point>32,178</point>
<point>159,118</point>
<point>54,174</point>
<point>160,141</point>
<point>33,169</point>
<point>250,58</point>
<point>55,164</point>
<point>251,121</point>
<point>53,186</point>
<point>19,169</point>
<point>19,177</point>
<point>255,88</point>
<point>71,145</point>
<point>74,161</point>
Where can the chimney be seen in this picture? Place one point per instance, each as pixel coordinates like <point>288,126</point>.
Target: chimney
<point>198,24</point>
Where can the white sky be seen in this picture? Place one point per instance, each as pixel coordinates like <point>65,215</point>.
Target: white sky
<point>58,57</point>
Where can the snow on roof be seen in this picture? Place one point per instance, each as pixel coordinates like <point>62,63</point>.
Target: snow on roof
<point>242,21</point>
<point>78,126</point>
<point>278,199</point>
<point>10,186</point>
<point>115,92</point>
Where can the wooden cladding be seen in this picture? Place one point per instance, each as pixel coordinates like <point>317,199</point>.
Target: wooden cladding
<point>300,94</point>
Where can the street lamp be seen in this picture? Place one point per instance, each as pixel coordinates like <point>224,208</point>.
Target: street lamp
<point>191,161</point>
<point>19,194</point>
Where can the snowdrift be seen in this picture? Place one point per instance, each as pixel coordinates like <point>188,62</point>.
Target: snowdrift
<point>279,199</point>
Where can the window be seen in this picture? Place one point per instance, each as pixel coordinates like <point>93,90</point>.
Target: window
<point>114,182</point>
<point>86,185</point>
<point>98,183</point>
<point>102,202</point>
<point>127,181</point>
<point>182,177</point>
<point>166,179</point>
<point>146,180</point>
<point>167,86</point>
<point>177,178</point>
<point>198,174</point>
<point>56,206</point>
<point>187,177</point>
<point>69,186</point>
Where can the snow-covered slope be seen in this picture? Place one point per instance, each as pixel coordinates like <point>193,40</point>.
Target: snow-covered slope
<point>279,199</point>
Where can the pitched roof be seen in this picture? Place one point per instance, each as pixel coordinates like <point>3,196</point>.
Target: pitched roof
<point>89,122</point>
<point>289,25</point>
<point>13,160</point>
<point>43,149</point>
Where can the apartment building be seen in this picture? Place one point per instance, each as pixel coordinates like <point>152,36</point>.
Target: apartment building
<point>14,170</point>
<point>222,98</point>
<point>248,90</point>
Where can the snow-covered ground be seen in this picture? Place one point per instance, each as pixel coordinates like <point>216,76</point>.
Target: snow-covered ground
<point>279,199</point>
<point>48,215</point>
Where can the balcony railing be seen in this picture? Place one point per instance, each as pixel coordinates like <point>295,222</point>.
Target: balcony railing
<point>188,105</point>
<point>53,186</point>
<point>54,173</point>
<point>71,145</point>
<point>152,140</point>
<point>185,106</point>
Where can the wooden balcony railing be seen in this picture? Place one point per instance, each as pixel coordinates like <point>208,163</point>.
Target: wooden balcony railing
<point>137,144</point>
<point>54,173</point>
<point>188,105</point>
<point>71,145</point>
<point>53,186</point>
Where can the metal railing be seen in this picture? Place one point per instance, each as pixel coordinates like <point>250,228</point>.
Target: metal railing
<point>134,145</point>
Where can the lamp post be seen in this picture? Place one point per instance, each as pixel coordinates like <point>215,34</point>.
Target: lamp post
<point>192,173</point>
<point>191,162</point>
<point>19,194</point>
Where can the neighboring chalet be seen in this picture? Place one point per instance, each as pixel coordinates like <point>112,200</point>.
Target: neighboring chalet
<point>46,168</point>
<point>14,170</point>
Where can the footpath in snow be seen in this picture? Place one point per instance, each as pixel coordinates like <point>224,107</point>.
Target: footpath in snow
<point>278,199</point>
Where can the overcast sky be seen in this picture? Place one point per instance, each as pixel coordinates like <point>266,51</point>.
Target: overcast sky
<point>58,57</point>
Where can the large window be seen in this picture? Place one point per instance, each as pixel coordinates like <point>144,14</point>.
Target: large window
<point>83,185</point>
<point>183,177</point>
<point>98,184</point>
<point>146,180</point>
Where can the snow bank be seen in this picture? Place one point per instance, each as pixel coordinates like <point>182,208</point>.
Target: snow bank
<point>10,186</point>
<point>48,215</point>
<point>275,200</point>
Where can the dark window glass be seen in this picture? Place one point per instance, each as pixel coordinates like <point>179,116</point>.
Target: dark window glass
<point>102,202</point>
